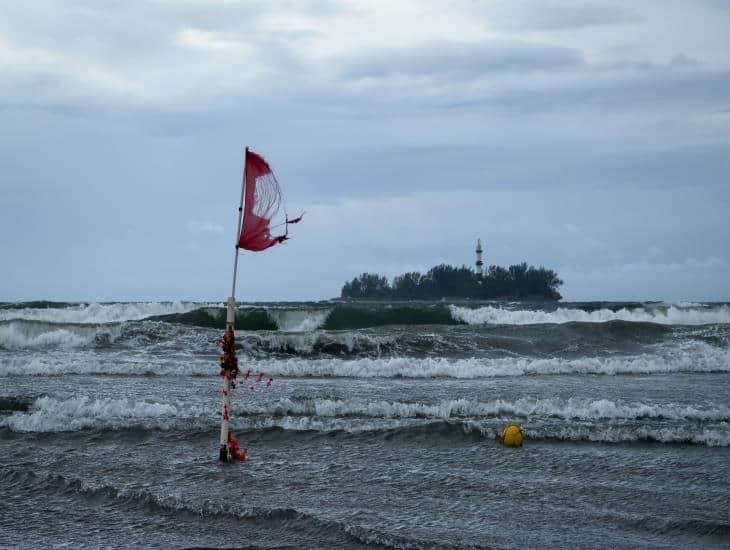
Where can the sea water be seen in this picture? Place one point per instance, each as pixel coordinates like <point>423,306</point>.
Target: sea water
<point>379,428</point>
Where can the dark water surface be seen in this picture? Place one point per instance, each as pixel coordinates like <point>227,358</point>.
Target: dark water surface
<point>378,430</point>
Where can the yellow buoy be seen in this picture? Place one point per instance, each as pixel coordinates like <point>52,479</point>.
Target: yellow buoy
<point>512,436</point>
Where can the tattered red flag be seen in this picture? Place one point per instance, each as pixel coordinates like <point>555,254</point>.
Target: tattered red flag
<point>262,207</point>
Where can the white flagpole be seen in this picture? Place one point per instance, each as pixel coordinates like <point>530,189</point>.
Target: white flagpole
<point>230,323</point>
<point>238,230</point>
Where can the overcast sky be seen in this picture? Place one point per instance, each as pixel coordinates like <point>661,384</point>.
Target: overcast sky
<point>589,137</point>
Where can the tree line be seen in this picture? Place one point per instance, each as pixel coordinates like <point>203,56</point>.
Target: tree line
<point>516,282</point>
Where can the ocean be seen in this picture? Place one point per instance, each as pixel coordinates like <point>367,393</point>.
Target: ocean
<point>378,430</point>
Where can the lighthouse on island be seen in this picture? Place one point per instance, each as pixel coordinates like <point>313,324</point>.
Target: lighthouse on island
<point>479,262</point>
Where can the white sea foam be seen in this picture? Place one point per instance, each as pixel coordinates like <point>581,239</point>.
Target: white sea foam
<point>80,362</point>
<point>669,315</point>
<point>48,414</point>
<point>573,408</point>
<point>319,424</point>
<point>601,432</point>
<point>587,420</point>
<point>711,436</point>
<point>12,336</point>
<point>99,313</point>
<point>24,335</point>
<point>304,320</point>
<point>697,357</point>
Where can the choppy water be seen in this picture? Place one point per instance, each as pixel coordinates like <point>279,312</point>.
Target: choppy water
<point>379,429</point>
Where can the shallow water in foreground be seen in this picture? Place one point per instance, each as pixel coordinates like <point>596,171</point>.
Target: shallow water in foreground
<point>381,435</point>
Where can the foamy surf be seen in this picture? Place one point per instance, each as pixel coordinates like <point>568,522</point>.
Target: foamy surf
<point>291,320</point>
<point>17,335</point>
<point>567,409</point>
<point>302,318</point>
<point>14,336</point>
<point>600,420</point>
<point>694,435</point>
<point>666,315</point>
<point>712,436</point>
<point>66,362</point>
<point>96,313</point>
<point>695,357</point>
<point>48,414</point>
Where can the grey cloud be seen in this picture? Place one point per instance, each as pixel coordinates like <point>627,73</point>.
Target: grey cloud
<point>656,88</point>
<point>720,5</point>
<point>681,60</point>
<point>532,164</point>
<point>85,53</point>
<point>555,14</point>
<point>401,158</point>
<point>592,91</point>
<point>130,25</point>
<point>463,59</point>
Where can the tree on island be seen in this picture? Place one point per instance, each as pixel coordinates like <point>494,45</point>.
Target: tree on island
<point>517,282</point>
<point>367,285</point>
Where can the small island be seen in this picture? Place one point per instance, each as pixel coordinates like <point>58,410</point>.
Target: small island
<point>516,282</point>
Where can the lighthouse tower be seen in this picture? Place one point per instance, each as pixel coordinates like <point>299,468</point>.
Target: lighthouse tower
<point>479,263</point>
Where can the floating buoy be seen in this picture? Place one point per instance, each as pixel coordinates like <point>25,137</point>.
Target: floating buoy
<point>512,436</point>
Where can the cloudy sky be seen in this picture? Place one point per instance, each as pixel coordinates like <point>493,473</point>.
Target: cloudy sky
<point>590,137</point>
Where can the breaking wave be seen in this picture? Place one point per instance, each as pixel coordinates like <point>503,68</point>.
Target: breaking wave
<point>682,434</point>
<point>711,436</point>
<point>586,338</point>
<point>48,414</point>
<point>298,320</point>
<point>24,334</point>
<point>92,364</point>
<point>358,316</point>
<point>668,315</point>
<point>599,420</point>
<point>698,357</point>
<point>570,409</point>
<point>568,340</point>
<point>306,317</point>
<point>94,313</point>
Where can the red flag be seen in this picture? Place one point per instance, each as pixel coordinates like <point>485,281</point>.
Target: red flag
<point>262,206</point>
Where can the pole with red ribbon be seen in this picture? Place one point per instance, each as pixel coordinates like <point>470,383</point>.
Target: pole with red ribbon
<point>259,208</point>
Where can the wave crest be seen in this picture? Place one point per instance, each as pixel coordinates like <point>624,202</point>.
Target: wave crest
<point>671,315</point>
<point>96,313</point>
<point>574,419</point>
<point>570,409</point>
<point>48,414</point>
<point>15,335</point>
<point>351,316</point>
<point>698,357</point>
